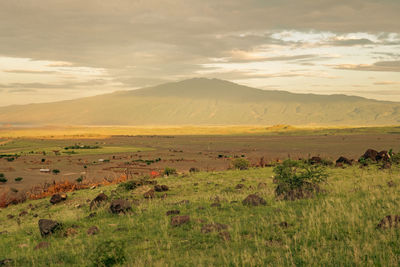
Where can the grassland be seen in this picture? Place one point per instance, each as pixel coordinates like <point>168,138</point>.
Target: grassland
<point>337,228</point>
<point>78,132</point>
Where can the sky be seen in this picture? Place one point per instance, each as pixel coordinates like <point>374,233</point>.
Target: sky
<point>53,50</point>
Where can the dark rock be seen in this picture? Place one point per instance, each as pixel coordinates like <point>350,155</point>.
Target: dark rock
<point>216,204</point>
<point>179,220</point>
<point>120,206</point>
<point>70,232</point>
<point>386,165</point>
<point>161,188</point>
<point>172,212</point>
<point>47,227</point>
<point>42,245</point>
<point>239,186</point>
<point>94,230</point>
<point>164,187</point>
<point>370,154</point>
<point>35,215</point>
<point>92,215</point>
<point>23,213</point>
<point>391,184</point>
<point>284,224</point>
<point>10,216</point>
<point>390,221</point>
<point>342,161</point>
<point>383,156</point>
<point>149,194</point>
<point>212,227</point>
<point>315,160</point>
<point>57,198</point>
<point>254,200</point>
<point>98,200</point>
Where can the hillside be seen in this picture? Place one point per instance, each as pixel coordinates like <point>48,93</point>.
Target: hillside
<point>206,102</point>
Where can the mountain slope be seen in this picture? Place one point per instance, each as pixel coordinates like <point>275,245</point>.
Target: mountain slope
<point>206,102</point>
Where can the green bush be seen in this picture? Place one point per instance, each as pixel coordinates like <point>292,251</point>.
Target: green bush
<point>296,179</point>
<point>56,171</point>
<point>129,185</point>
<point>18,179</point>
<point>241,164</point>
<point>1,175</point>
<point>169,171</point>
<point>3,180</point>
<point>108,253</point>
<point>79,179</point>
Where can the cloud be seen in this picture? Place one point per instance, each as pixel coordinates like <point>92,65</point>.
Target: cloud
<point>387,83</point>
<point>388,66</point>
<point>20,87</point>
<point>29,71</point>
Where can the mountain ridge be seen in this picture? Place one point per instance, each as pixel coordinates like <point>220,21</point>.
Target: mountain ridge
<point>201,101</point>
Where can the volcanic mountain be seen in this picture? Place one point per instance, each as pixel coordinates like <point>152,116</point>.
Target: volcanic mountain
<point>201,101</point>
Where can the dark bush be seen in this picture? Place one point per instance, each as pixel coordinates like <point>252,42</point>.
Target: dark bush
<point>108,253</point>
<point>18,179</point>
<point>296,179</point>
<point>79,179</point>
<point>241,164</point>
<point>56,171</point>
<point>3,179</point>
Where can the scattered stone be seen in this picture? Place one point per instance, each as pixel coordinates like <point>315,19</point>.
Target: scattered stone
<point>239,186</point>
<point>161,188</point>
<point>213,227</point>
<point>216,204</point>
<point>10,216</point>
<point>391,184</point>
<point>6,262</point>
<point>173,212</point>
<point>284,224</point>
<point>47,227</point>
<point>23,213</point>
<point>149,194</point>
<point>390,221</point>
<point>42,245</point>
<point>315,160</point>
<point>92,215</point>
<point>254,200</point>
<point>179,220</point>
<point>120,206</point>
<point>93,230</point>
<point>262,186</point>
<point>98,200</point>
<point>35,215</point>
<point>342,161</point>
<point>226,236</point>
<point>57,198</point>
<point>370,154</point>
<point>70,232</point>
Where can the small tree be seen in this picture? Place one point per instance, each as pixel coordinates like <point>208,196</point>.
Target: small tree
<point>56,171</point>
<point>241,164</point>
<point>18,179</point>
<point>296,179</point>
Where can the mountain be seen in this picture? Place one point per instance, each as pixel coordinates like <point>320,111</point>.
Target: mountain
<point>202,101</point>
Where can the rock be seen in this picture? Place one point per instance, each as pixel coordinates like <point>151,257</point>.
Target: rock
<point>35,215</point>
<point>383,156</point>
<point>390,221</point>
<point>179,220</point>
<point>42,245</point>
<point>98,200</point>
<point>253,200</point>
<point>70,232</point>
<point>370,154</point>
<point>149,194</point>
<point>92,215</point>
<point>226,236</point>
<point>262,186</point>
<point>216,204</point>
<point>93,230</point>
<point>239,186</point>
<point>23,213</point>
<point>57,198</point>
<point>120,206</point>
<point>342,161</point>
<point>284,224</point>
<point>172,212</point>
<point>6,262</point>
<point>391,184</point>
<point>10,216</point>
<point>208,228</point>
<point>47,227</point>
<point>161,188</point>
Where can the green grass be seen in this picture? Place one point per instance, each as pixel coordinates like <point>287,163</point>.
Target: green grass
<point>337,228</point>
<point>34,146</point>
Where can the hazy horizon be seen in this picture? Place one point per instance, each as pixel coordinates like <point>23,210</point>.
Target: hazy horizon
<point>59,50</point>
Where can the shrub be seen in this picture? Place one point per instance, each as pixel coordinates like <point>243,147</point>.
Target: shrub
<point>169,171</point>
<point>3,180</point>
<point>193,170</point>
<point>241,164</point>
<point>43,160</point>
<point>129,185</point>
<point>296,179</point>
<point>1,175</point>
<point>108,253</point>
<point>56,171</point>
<point>79,179</point>
<point>18,179</point>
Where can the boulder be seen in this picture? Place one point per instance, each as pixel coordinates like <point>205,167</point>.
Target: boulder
<point>253,200</point>
<point>239,186</point>
<point>315,160</point>
<point>383,156</point>
<point>342,161</point>
<point>94,230</point>
<point>149,194</point>
<point>161,188</point>
<point>57,198</point>
<point>98,200</point>
<point>370,154</point>
<point>48,227</point>
<point>120,206</point>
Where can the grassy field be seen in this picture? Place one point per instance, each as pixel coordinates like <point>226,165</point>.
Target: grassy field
<point>336,228</point>
<point>104,132</point>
